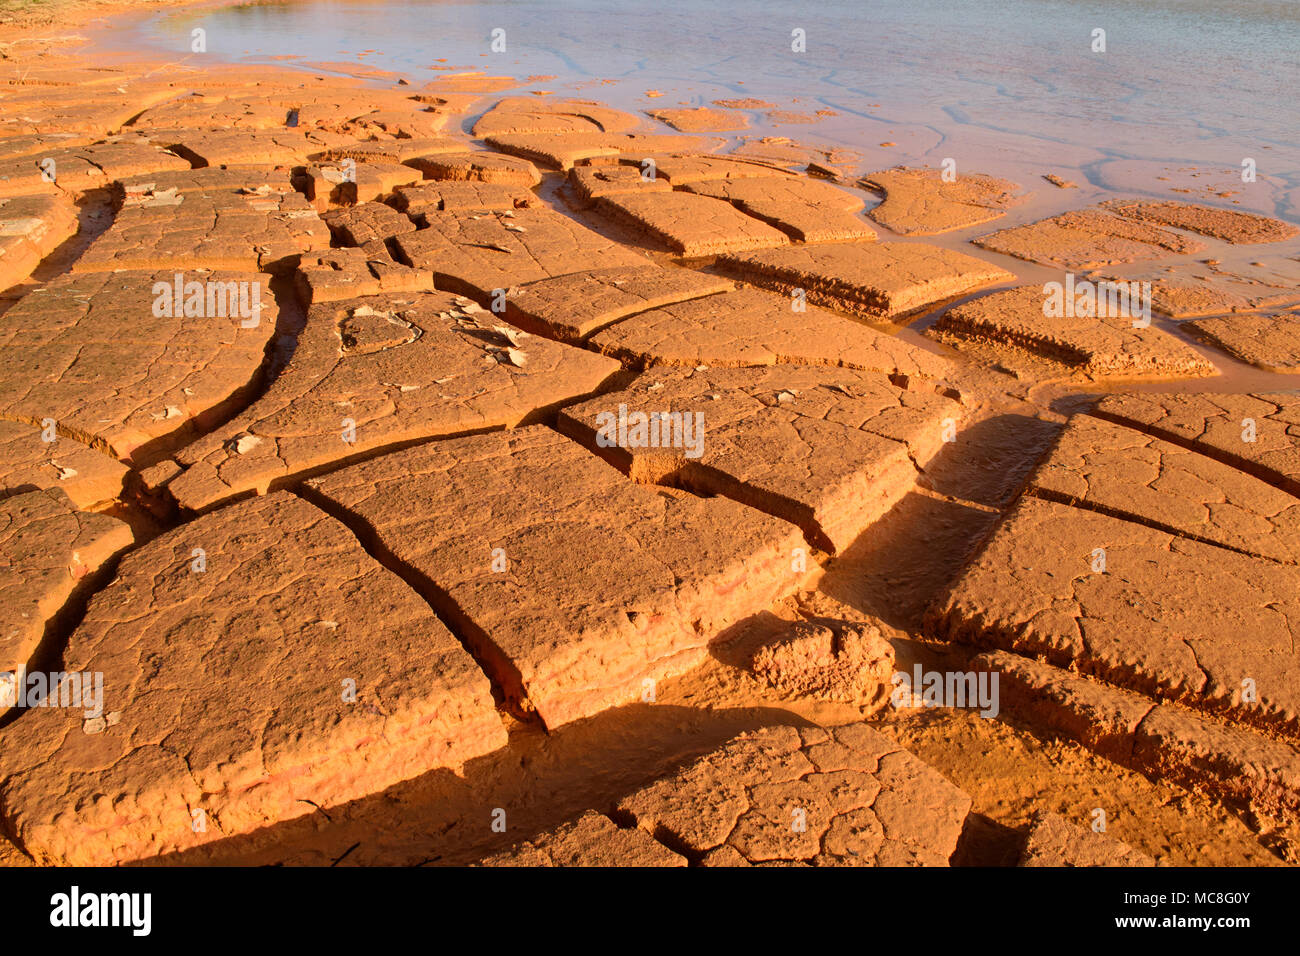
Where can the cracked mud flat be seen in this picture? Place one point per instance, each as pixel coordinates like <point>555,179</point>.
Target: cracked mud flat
<point>425,586</point>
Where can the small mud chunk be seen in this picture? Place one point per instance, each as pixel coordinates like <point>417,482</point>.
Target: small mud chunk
<point>836,661</point>
<point>1054,841</point>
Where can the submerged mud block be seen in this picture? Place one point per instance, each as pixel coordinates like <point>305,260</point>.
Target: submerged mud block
<point>1229,225</point>
<point>528,114</point>
<point>890,279</point>
<point>804,209</point>
<point>844,796</point>
<point>381,372</point>
<point>476,254</point>
<point>118,359</point>
<point>1055,841</point>
<point>700,119</point>
<point>1165,615</point>
<point>31,227</point>
<point>918,202</point>
<point>572,584</point>
<point>752,327</point>
<point>590,840</point>
<point>1208,287</point>
<point>291,672</point>
<point>691,225</point>
<point>1110,345</point>
<point>1086,239</point>
<point>1128,473</point>
<point>572,306</point>
<point>28,462</point>
<point>827,449</point>
<point>1258,433</point>
<point>48,551</point>
<point>1243,768</point>
<point>1270,342</point>
<point>249,220</point>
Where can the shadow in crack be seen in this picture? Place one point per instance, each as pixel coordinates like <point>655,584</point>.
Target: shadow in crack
<point>541,780</point>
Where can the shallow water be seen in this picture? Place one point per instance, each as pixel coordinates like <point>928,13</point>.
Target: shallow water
<point>1181,80</point>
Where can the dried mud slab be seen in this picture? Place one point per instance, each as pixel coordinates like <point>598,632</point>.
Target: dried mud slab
<point>244,220</point>
<point>399,369</point>
<point>476,253</point>
<point>41,111</point>
<point>890,279</point>
<point>700,119</point>
<point>1055,841</point>
<point>478,167</point>
<point>367,222</point>
<point>226,692</point>
<point>88,352</point>
<point>1168,616</point>
<point>1107,346</point>
<point>1127,473</point>
<point>804,209</point>
<point>829,450</point>
<point>1270,342</point>
<point>460,196</point>
<point>691,225</point>
<point>845,796</point>
<point>528,114</point>
<point>394,150</point>
<point>84,167</point>
<point>571,307</point>
<point>350,273</point>
<point>1258,433</point>
<point>752,327</point>
<point>1087,239</point>
<point>1229,225</point>
<point>565,150</point>
<point>334,184</point>
<point>48,551</point>
<point>681,170</point>
<point>236,147</point>
<point>31,227</point>
<point>560,634</point>
<point>28,463</point>
<point>590,183</point>
<point>1231,763</point>
<point>918,202</point>
<point>590,840</point>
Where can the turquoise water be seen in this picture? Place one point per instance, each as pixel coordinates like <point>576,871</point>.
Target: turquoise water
<point>1181,80</point>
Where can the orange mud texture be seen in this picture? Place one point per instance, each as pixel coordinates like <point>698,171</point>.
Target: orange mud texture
<point>429,479</point>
